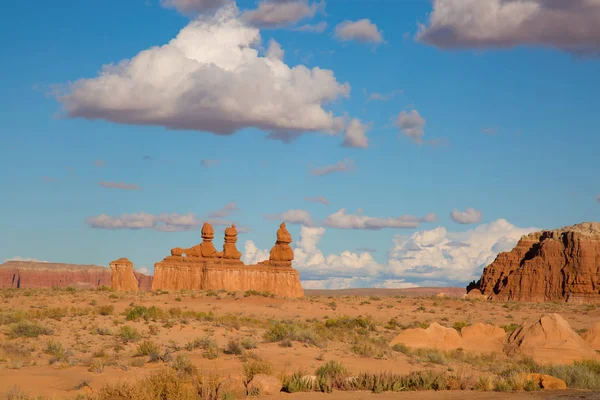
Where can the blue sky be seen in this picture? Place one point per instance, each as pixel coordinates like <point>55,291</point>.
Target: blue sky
<point>507,125</point>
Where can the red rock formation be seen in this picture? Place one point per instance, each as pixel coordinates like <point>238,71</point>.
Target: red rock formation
<point>563,264</point>
<point>33,274</point>
<point>191,270</point>
<point>229,249</point>
<point>205,249</point>
<point>123,278</point>
<point>282,251</point>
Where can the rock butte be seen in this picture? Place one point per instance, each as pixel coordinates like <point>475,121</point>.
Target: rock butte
<point>563,264</point>
<point>123,278</point>
<point>202,267</point>
<point>39,275</point>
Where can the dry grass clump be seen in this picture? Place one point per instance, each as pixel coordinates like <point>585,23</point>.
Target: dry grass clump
<point>129,334</point>
<point>294,331</point>
<point>208,344</point>
<point>150,349</point>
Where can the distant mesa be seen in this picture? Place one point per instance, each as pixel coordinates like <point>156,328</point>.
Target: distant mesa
<point>39,275</point>
<point>558,265</point>
<point>202,267</point>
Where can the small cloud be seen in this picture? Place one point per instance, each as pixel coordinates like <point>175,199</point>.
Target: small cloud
<point>207,163</point>
<point>194,6</point>
<point>143,270</point>
<point>356,135</point>
<point>469,216</point>
<point>147,158</point>
<point>490,131</point>
<point>49,179</point>
<point>275,52</point>
<point>163,222</point>
<point>362,31</point>
<point>19,258</point>
<point>317,28</point>
<point>439,142</point>
<point>317,199</point>
<point>343,220</point>
<point>374,96</point>
<point>224,212</point>
<point>341,166</point>
<point>412,125</point>
<point>300,217</point>
<point>99,163</point>
<point>278,13</point>
<point>119,185</point>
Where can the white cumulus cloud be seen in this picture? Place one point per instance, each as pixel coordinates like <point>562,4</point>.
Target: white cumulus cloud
<point>469,216</point>
<point>412,124</point>
<point>210,78</point>
<point>569,25</point>
<point>163,222</point>
<point>362,30</point>
<point>356,134</point>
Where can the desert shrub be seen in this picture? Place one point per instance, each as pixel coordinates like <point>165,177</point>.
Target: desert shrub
<point>150,349</point>
<point>102,331</point>
<point>248,343</point>
<point>129,334</point>
<point>165,384</point>
<point>183,365</point>
<point>255,367</point>
<point>27,329</point>
<point>458,325</point>
<point>579,375</point>
<point>280,331</point>
<point>510,328</point>
<point>12,316</point>
<point>300,381</point>
<point>346,322</point>
<point>147,313</point>
<point>96,366</point>
<point>485,383</point>
<point>401,348</point>
<point>54,349</point>
<point>106,309</point>
<point>233,347</point>
<point>331,375</point>
<point>175,312</point>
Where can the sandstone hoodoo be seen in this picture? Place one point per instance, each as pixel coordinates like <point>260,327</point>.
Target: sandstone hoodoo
<point>562,264</point>
<point>123,278</point>
<point>202,267</point>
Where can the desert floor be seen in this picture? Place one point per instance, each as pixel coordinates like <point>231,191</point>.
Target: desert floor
<point>68,343</point>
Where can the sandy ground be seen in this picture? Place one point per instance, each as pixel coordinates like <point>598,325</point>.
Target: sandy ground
<point>234,317</point>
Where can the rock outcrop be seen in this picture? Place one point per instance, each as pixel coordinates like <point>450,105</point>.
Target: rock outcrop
<point>550,340</point>
<point>592,336</point>
<point>563,264</point>
<point>39,275</point>
<point>123,278</point>
<point>476,338</point>
<point>201,268</point>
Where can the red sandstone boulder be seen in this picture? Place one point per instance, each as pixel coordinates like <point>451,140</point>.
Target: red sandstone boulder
<point>563,264</point>
<point>264,385</point>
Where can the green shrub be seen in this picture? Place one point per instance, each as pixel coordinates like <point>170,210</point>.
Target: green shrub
<point>255,367</point>
<point>149,348</point>
<point>129,334</point>
<point>459,325</point>
<point>233,347</point>
<point>248,343</point>
<point>27,329</point>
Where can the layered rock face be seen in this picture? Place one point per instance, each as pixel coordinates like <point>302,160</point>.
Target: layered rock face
<point>39,275</point>
<point>123,278</point>
<point>203,268</point>
<point>563,264</point>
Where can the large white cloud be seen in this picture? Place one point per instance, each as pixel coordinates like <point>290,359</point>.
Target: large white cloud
<point>432,257</point>
<point>210,78</point>
<point>342,220</point>
<point>571,25</point>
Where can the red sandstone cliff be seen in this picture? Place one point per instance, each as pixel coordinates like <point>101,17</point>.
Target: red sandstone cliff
<point>563,264</point>
<point>31,274</point>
